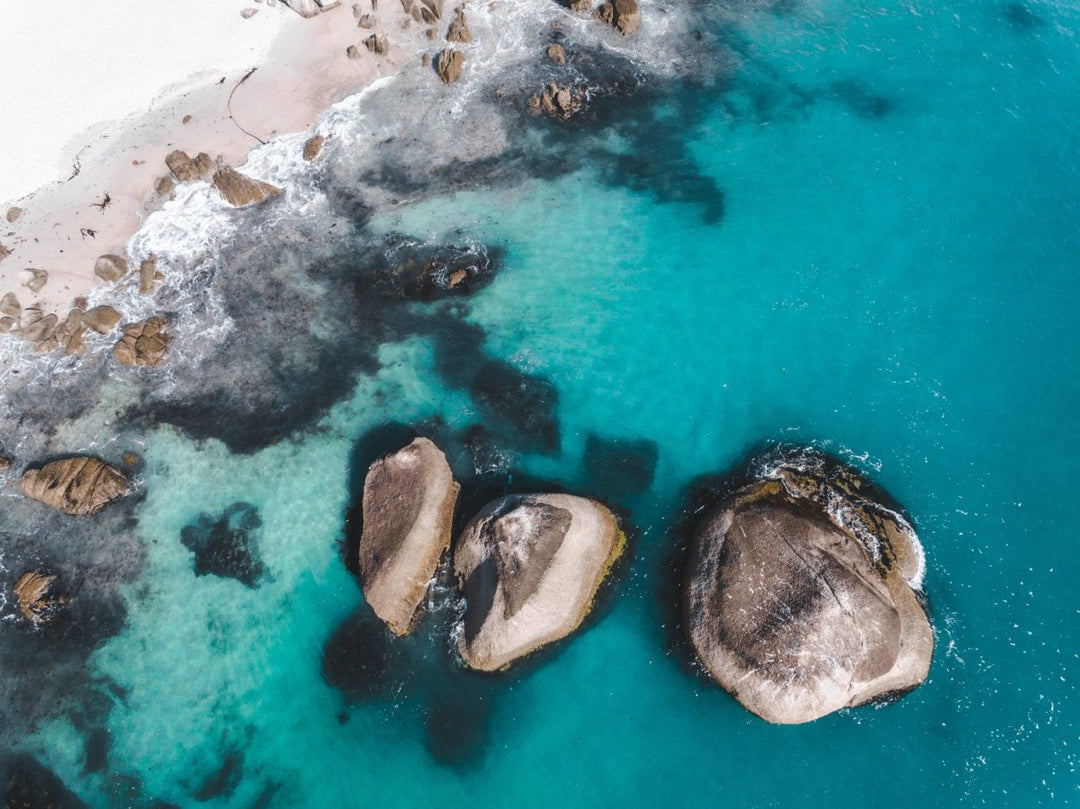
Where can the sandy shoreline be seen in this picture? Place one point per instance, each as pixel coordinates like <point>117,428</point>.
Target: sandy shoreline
<point>64,227</point>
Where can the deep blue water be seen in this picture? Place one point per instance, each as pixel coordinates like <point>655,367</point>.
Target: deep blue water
<point>892,280</point>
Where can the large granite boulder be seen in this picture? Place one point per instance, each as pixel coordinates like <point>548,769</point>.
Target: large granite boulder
<point>80,485</point>
<point>801,594</point>
<point>240,191</point>
<point>408,509</point>
<point>144,343</point>
<point>529,566</point>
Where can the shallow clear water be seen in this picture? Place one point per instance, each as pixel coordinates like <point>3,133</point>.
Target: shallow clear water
<point>892,280</point>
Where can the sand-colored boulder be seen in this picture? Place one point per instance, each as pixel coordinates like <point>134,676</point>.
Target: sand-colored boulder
<point>34,597</point>
<point>34,279</point>
<point>5,251</point>
<point>408,509</point>
<point>240,191</point>
<point>377,43</point>
<point>800,596</point>
<point>10,306</point>
<point>13,213</point>
<point>149,276</point>
<point>110,267</point>
<point>313,146</point>
<point>625,16</point>
<point>530,566</point>
<point>36,326</point>
<point>80,485</point>
<point>459,28</point>
<point>102,319</point>
<point>143,343</point>
<point>449,65</point>
<point>366,21</point>
<point>423,11</point>
<point>184,169</point>
<point>557,54</point>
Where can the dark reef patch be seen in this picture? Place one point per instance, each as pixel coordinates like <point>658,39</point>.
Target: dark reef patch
<point>618,467</point>
<point>416,270</point>
<point>361,658</point>
<point>226,545</point>
<point>223,781</point>
<point>1021,18</point>
<point>27,784</point>
<point>526,403</point>
<point>859,98</point>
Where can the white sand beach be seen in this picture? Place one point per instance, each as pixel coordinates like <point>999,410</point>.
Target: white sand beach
<point>86,129</point>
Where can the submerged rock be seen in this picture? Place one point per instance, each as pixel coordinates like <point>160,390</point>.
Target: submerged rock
<point>527,403</point>
<point>449,65</point>
<point>33,595</point>
<point>408,508</point>
<point>530,566</point>
<point>425,272</point>
<point>80,485</point>
<point>240,191</point>
<point>27,784</point>
<point>800,595</point>
<point>225,545</point>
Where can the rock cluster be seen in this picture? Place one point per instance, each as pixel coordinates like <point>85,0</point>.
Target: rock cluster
<point>423,11</point>
<point>558,101</point>
<point>187,170</point>
<point>528,565</point>
<point>800,596</point>
<point>623,15</point>
<point>46,331</point>
<point>81,485</point>
<point>240,190</point>
<point>408,511</point>
<point>143,343</point>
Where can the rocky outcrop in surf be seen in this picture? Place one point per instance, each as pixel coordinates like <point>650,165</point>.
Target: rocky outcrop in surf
<point>34,597</point>
<point>81,485</point>
<point>449,65</point>
<point>143,343</point>
<point>408,510</point>
<point>529,567</point>
<point>240,191</point>
<point>800,596</point>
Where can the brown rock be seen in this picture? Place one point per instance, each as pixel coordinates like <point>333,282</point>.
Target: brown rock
<point>580,5</point>
<point>557,54</point>
<point>559,101</point>
<point>605,13</point>
<point>353,52</point>
<point>449,65</point>
<point>239,190</point>
<point>182,166</point>
<point>13,214</point>
<point>408,510</point>
<point>110,267</point>
<point>204,165</point>
<point>164,186</point>
<point>148,275</point>
<point>80,485</point>
<point>9,305</point>
<point>6,324</point>
<point>423,11</point>
<point>626,16</point>
<point>5,251</point>
<point>75,344</point>
<point>143,343</point>
<point>313,147</point>
<point>377,43</point>
<point>32,595</point>
<point>529,567</point>
<point>800,594</point>
<point>425,60</point>
<point>102,319</point>
<point>36,326</point>
<point>70,326</point>
<point>459,29</point>
<point>248,13</point>
<point>366,21</point>
<point>5,463</point>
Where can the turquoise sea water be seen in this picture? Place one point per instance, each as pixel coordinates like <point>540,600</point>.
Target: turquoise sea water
<point>892,280</point>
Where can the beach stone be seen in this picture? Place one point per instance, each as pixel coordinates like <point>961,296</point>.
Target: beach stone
<point>102,319</point>
<point>143,343</point>
<point>305,8</point>
<point>366,21</point>
<point>377,43</point>
<point>459,29</point>
<point>529,567</point>
<point>13,214</point>
<point>182,166</point>
<point>239,190</point>
<point>110,267</point>
<point>559,101</point>
<point>69,327</point>
<point>423,11</point>
<point>5,463</point>
<point>248,13</point>
<point>80,485</point>
<point>7,324</point>
<point>353,52</point>
<point>32,594</point>
<point>204,165</point>
<point>34,279</point>
<point>164,186</point>
<point>357,11</point>
<point>149,277</point>
<point>36,326</point>
<point>449,65</point>
<point>626,16</point>
<point>313,147</point>
<point>800,596</point>
<point>557,54</point>
<point>408,511</point>
<point>5,251</point>
<point>9,305</point>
